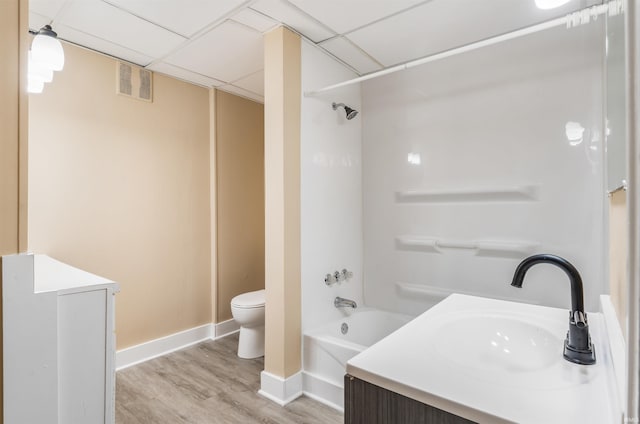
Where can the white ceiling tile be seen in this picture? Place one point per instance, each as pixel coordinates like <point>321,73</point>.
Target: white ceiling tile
<point>186,17</point>
<point>184,74</point>
<point>255,20</point>
<point>48,8</point>
<point>346,51</point>
<point>253,82</point>
<point>225,53</point>
<point>100,45</point>
<point>440,25</point>
<point>344,16</point>
<point>37,21</point>
<point>284,12</point>
<point>112,24</point>
<point>242,92</point>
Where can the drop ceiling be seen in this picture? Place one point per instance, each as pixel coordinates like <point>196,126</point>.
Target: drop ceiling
<point>218,43</point>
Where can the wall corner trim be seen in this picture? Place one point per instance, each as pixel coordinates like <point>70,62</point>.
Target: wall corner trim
<point>280,390</point>
<point>225,328</point>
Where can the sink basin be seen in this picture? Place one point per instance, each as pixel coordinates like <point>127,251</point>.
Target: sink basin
<point>512,345</point>
<point>492,361</point>
<point>497,343</point>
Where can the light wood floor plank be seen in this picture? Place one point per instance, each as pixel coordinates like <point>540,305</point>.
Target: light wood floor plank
<point>207,384</point>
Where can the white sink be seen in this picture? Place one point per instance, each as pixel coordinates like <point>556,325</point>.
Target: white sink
<point>492,361</point>
<point>497,343</point>
<point>515,345</point>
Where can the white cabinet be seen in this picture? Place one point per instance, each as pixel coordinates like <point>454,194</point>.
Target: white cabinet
<point>59,343</point>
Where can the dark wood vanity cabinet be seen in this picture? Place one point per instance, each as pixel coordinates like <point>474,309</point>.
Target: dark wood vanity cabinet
<point>366,403</point>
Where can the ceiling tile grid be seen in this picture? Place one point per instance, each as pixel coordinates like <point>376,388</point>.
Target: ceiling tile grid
<point>253,82</point>
<point>242,92</point>
<point>285,12</point>
<point>37,21</point>
<point>226,52</point>
<point>344,16</point>
<point>184,74</point>
<point>255,20</point>
<point>86,40</point>
<point>107,22</point>
<point>351,54</point>
<point>48,8</point>
<point>184,17</point>
<point>219,43</point>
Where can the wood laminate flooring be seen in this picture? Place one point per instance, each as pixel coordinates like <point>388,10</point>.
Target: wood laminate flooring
<point>207,384</point>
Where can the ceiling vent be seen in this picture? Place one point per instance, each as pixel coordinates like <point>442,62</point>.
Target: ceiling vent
<point>134,81</point>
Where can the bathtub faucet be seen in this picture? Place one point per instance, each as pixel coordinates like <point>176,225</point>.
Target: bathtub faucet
<point>340,302</point>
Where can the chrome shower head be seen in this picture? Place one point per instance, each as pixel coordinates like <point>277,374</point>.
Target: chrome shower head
<point>351,113</point>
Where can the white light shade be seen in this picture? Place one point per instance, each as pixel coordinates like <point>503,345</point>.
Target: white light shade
<point>38,70</point>
<point>550,4</point>
<point>35,85</point>
<point>48,51</point>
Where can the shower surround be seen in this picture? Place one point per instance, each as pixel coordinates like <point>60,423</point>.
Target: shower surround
<point>450,175</point>
<point>473,163</point>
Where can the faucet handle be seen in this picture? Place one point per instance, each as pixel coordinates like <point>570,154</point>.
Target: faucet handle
<point>346,275</point>
<point>330,280</point>
<point>579,318</point>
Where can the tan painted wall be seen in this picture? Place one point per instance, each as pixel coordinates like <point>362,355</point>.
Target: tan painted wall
<point>120,187</point>
<point>618,240</point>
<point>282,202</point>
<point>239,127</point>
<point>13,136</point>
<point>13,126</point>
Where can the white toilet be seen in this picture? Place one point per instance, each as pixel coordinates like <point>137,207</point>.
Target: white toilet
<point>248,311</point>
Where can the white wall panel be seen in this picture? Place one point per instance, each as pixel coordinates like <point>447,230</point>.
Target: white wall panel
<point>331,190</point>
<point>470,157</point>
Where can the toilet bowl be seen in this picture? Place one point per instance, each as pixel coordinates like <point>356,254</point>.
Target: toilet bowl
<point>248,311</point>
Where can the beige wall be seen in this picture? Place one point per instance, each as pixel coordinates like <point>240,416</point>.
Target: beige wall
<point>13,136</point>
<point>239,138</point>
<point>618,241</point>
<point>282,202</point>
<point>13,126</point>
<point>120,187</point>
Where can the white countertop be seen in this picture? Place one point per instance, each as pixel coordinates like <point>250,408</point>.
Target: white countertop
<point>51,275</point>
<point>411,362</point>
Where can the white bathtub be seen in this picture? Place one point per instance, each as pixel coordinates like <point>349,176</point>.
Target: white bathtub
<point>327,350</point>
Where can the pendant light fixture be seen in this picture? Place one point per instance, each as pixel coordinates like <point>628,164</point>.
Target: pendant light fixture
<point>46,55</point>
<point>46,49</point>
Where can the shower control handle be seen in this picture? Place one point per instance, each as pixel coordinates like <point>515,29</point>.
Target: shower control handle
<point>346,275</point>
<point>338,277</point>
<point>330,280</point>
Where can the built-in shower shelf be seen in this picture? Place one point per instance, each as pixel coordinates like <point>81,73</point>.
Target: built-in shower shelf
<point>471,194</point>
<point>435,294</point>
<point>486,248</point>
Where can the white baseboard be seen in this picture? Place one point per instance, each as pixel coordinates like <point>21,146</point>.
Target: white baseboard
<point>225,328</point>
<point>322,390</point>
<point>280,390</point>
<point>152,349</point>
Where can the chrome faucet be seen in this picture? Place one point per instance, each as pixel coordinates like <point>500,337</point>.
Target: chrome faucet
<point>340,302</point>
<point>577,345</point>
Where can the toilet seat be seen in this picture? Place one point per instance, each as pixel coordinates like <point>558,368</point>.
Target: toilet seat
<point>250,300</point>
